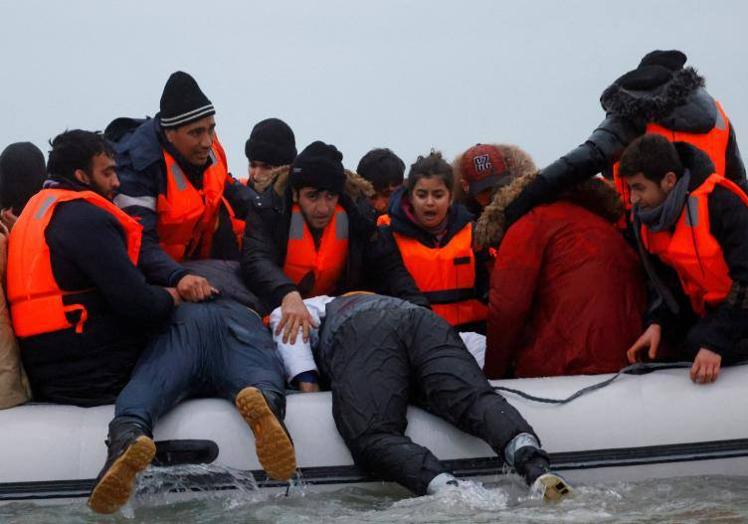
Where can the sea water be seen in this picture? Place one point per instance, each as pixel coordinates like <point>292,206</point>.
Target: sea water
<point>720,499</point>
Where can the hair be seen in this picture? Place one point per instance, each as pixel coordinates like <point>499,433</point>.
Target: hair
<point>382,168</point>
<point>652,155</point>
<point>75,149</point>
<point>22,174</point>
<point>430,166</point>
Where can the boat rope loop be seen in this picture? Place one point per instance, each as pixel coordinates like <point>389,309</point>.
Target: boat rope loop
<point>639,368</point>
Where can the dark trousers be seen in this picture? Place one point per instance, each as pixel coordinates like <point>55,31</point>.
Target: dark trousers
<point>208,349</point>
<point>379,362</point>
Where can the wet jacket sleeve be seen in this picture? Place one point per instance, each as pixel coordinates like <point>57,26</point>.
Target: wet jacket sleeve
<point>261,264</point>
<point>388,273</point>
<point>138,196</point>
<point>602,148</point>
<point>722,327</point>
<point>513,282</point>
<point>94,241</point>
<point>734,168</point>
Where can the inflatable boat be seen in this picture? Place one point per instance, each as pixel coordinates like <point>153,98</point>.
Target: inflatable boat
<point>646,426</point>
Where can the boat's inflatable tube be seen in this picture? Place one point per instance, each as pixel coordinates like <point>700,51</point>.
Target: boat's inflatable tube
<point>654,425</point>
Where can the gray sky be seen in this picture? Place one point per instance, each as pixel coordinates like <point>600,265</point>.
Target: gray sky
<point>409,75</point>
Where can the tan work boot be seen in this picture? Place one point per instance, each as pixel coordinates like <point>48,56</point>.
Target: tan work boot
<point>131,450</point>
<point>275,449</point>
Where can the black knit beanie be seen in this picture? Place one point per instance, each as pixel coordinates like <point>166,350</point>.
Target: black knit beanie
<point>382,168</point>
<point>22,173</point>
<point>319,166</point>
<point>271,141</point>
<point>655,69</point>
<point>182,101</point>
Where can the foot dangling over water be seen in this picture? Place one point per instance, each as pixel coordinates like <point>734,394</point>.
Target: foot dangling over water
<point>275,449</point>
<point>130,450</point>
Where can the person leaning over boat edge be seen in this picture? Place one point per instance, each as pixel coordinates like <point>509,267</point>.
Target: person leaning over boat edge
<point>312,239</point>
<point>375,352</point>
<point>696,222</point>
<point>659,96</point>
<point>91,329</point>
<point>175,180</point>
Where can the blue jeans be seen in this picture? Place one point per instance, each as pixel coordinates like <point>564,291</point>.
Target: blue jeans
<point>210,349</point>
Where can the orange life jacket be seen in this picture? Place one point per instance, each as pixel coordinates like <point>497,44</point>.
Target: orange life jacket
<point>36,304</point>
<point>714,143</point>
<point>692,250</point>
<point>445,275</point>
<point>328,263</point>
<point>188,217</point>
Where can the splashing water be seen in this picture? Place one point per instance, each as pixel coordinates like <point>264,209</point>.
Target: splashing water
<point>684,500</point>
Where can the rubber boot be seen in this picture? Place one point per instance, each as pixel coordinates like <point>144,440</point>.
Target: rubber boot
<point>130,450</point>
<point>264,411</point>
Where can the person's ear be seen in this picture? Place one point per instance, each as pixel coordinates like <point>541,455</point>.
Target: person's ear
<point>82,177</point>
<point>668,181</point>
<point>169,133</point>
<point>295,195</point>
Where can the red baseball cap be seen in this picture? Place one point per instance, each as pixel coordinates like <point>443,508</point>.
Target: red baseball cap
<point>482,166</point>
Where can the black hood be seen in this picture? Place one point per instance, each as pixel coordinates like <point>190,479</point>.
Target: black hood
<point>680,102</point>
<point>457,218</point>
<point>697,162</point>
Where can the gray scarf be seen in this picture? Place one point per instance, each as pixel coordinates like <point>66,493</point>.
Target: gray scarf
<point>664,216</point>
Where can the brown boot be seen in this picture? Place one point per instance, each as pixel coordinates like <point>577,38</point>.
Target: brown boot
<point>131,450</point>
<point>275,449</point>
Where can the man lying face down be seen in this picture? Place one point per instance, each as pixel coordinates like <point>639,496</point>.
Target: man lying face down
<point>93,331</point>
<point>371,349</point>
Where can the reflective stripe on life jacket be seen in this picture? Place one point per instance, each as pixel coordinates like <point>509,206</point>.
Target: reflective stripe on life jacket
<point>693,251</point>
<point>713,143</point>
<point>326,264</point>
<point>188,217</point>
<point>35,298</point>
<point>445,275</point>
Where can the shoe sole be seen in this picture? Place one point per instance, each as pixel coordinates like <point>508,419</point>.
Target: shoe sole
<point>275,450</point>
<point>555,487</point>
<point>116,486</point>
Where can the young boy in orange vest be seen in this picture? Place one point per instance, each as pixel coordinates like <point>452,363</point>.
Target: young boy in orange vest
<point>696,222</point>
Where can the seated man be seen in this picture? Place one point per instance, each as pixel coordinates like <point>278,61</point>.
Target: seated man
<point>567,294</point>
<point>270,149</point>
<point>483,169</point>
<point>385,170</point>
<point>86,320</point>
<point>175,181</point>
<point>22,173</point>
<point>696,222</point>
<point>376,351</point>
<point>311,240</point>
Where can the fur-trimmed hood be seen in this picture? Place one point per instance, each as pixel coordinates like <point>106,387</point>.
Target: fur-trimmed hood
<point>681,103</point>
<point>595,194</point>
<point>517,161</point>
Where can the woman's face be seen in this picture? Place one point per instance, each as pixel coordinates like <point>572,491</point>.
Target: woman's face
<point>430,198</point>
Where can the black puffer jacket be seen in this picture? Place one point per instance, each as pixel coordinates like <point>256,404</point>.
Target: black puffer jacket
<point>721,329</point>
<point>391,277</point>
<point>266,239</point>
<point>681,104</point>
